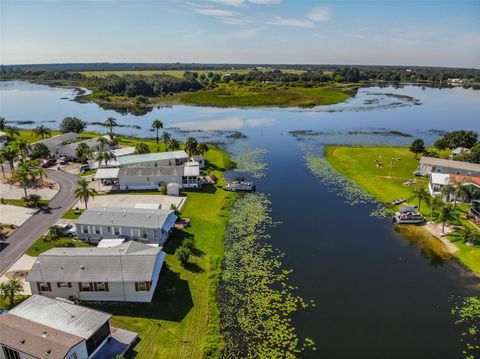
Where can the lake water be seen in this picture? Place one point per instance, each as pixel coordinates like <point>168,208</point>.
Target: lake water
<point>377,295</point>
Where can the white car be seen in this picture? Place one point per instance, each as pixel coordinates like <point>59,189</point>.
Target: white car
<point>70,231</point>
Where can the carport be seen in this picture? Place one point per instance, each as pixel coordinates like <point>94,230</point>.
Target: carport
<point>106,173</point>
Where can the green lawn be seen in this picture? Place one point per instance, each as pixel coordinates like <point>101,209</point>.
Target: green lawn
<point>42,245</point>
<point>21,202</point>
<point>358,164</point>
<point>70,214</point>
<point>183,320</point>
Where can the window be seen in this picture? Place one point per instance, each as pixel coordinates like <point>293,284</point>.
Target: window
<point>101,287</point>
<point>108,229</point>
<point>44,287</point>
<point>117,230</point>
<point>142,286</point>
<point>64,285</point>
<point>10,353</point>
<point>97,230</point>
<point>84,287</point>
<point>145,234</point>
<point>85,230</point>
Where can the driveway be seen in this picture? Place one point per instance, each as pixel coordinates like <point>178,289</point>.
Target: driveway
<point>16,215</point>
<point>24,236</point>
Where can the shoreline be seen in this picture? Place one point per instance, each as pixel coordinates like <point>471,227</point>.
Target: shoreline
<point>381,189</point>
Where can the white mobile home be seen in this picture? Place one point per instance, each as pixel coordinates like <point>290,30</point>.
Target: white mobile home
<point>438,165</point>
<point>153,160</point>
<point>69,149</point>
<point>141,224</point>
<point>41,327</point>
<point>55,142</point>
<point>124,273</point>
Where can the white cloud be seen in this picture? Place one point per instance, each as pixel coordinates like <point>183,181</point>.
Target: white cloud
<point>234,21</point>
<point>282,21</point>
<point>215,12</point>
<point>236,3</point>
<point>243,34</point>
<point>265,2</point>
<point>320,14</point>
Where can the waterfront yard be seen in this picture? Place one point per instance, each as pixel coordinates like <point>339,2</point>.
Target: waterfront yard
<point>183,320</point>
<point>359,164</point>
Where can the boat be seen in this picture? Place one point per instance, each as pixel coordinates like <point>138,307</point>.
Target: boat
<point>240,186</point>
<point>408,215</point>
<point>397,202</point>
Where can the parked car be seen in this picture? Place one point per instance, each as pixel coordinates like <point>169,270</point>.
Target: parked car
<point>63,160</point>
<point>84,168</point>
<point>49,162</point>
<point>70,231</point>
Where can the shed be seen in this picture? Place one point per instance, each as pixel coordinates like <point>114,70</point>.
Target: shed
<point>173,189</point>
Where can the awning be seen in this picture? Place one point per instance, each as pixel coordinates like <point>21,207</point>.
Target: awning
<point>107,173</point>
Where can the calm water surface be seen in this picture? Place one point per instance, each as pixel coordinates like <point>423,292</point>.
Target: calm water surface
<point>377,296</point>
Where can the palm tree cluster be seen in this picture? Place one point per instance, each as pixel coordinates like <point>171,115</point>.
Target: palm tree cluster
<point>193,148</point>
<point>10,289</point>
<point>470,235</point>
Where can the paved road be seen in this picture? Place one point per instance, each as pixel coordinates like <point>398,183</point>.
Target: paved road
<point>16,245</point>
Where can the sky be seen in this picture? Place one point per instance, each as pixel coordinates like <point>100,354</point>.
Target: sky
<point>389,32</point>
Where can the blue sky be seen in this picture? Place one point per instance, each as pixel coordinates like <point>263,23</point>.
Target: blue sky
<point>439,33</point>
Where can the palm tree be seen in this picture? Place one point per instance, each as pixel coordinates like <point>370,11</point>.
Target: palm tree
<point>105,156</point>
<point>467,234</point>
<point>42,131</point>
<point>445,214</point>
<point>56,232</point>
<point>202,148</point>
<point>2,160</point>
<point>166,137</point>
<point>141,148</point>
<point>22,174</point>
<point>11,131</point>
<point>23,148</point>
<point>10,154</point>
<point>40,172</point>
<point>156,125</point>
<point>10,289</point>
<point>82,152</point>
<point>447,192</point>
<point>102,142</point>
<point>2,123</point>
<point>84,192</point>
<point>173,144</point>
<point>435,204</point>
<point>421,194</point>
<point>191,146</point>
<point>111,123</point>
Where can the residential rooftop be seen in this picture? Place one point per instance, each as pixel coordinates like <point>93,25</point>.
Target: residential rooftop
<point>58,140</point>
<point>440,162</point>
<point>61,315</point>
<point>34,339</point>
<point>128,262</point>
<point>128,217</point>
<point>151,157</point>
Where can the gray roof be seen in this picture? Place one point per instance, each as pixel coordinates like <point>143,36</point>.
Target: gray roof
<point>58,140</point>
<point>127,217</point>
<point>61,315</point>
<point>36,340</point>
<point>90,142</point>
<point>440,162</point>
<point>151,157</point>
<point>151,171</point>
<point>128,262</point>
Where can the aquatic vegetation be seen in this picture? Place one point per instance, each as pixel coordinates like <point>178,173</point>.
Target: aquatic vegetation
<point>255,299</point>
<point>467,314</point>
<point>344,187</point>
<point>249,160</point>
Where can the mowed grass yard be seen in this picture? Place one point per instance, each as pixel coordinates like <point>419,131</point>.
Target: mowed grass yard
<point>358,164</point>
<point>183,321</point>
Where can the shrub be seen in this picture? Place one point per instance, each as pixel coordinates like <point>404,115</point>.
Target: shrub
<point>189,243</point>
<point>183,254</point>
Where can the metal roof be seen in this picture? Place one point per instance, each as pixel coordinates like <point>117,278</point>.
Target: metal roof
<point>126,217</point>
<point>90,142</point>
<point>152,157</point>
<point>151,171</point>
<point>34,339</point>
<point>128,262</point>
<point>58,140</point>
<point>61,315</point>
<point>440,162</point>
<point>439,178</point>
<point>107,173</point>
